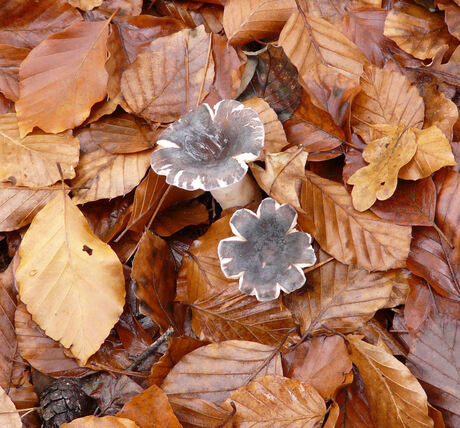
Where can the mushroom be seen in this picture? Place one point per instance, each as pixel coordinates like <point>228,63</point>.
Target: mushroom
<point>208,149</point>
<point>267,254</point>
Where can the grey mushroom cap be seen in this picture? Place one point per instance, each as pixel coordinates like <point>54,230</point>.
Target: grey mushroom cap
<point>267,254</point>
<point>208,149</point>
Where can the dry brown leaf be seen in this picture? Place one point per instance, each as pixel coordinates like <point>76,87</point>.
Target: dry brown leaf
<point>31,161</point>
<point>165,81</point>
<point>97,422</point>
<point>387,97</point>
<point>281,178</point>
<point>386,156</point>
<point>249,20</point>
<point>396,398</point>
<point>329,64</point>
<point>25,23</point>
<point>276,401</point>
<point>417,31</point>
<point>362,239</point>
<point>103,175</point>
<point>451,16</point>
<point>341,298</point>
<point>10,59</point>
<point>18,206</point>
<point>57,94</point>
<point>323,363</point>
<point>76,271</point>
<point>85,4</point>
<point>275,138</point>
<point>9,417</point>
<point>150,409</point>
<point>212,372</point>
<point>433,152</point>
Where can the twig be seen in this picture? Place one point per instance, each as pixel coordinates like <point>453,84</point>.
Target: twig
<point>151,349</point>
<point>208,56</point>
<point>309,269</point>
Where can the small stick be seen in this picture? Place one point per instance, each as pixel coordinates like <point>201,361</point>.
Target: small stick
<point>309,269</point>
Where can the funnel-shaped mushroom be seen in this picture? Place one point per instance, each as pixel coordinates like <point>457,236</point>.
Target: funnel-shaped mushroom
<point>208,150</point>
<point>268,253</point>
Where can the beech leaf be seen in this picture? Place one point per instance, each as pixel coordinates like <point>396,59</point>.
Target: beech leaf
<point>57,278</point>
<point>9,417</point>
<point>104,422</point>
<point>10,59</point>
<point>57,94</point>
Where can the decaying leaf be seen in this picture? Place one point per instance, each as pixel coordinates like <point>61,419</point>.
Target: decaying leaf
<point>165,81</point>
<point>351,237</point>
<point>386,156</point>
<point>9,417</point>
<point>396,398</point>
<point>32,161</point>
<point>64,267</point>
<point>57,94</point>
<point>276,401</point>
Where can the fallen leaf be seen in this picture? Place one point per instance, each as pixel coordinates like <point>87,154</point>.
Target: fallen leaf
<point>85,4</point>
<point>55,284</point>
<point>155,276</point>
<point>340,297</point>
<point>97,422</point>
<point>386,156</point>
<point>275,401</point>
<point>417,31</point>
<point>150,409</point>
<point>179,64</point>
<point>433,152</point>
<point>448,201</point>
<point>351,237</point>
<point>400,289</point>
<point>281,178</point>
<point>25,23</point>
<point>9,417</point>
<point>434,359</point>
<point>451,16</point>
<point>387,97</point>
<point>212,372</point>
<point>246,21</point>
<point>396,398</point>
<point>101,174</point>
<point>57,94</point>
<point>10,59</point>
<point>322,363</point>
<point>32,161</point>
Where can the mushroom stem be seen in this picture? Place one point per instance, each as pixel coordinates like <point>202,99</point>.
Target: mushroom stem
<point>239,194</point>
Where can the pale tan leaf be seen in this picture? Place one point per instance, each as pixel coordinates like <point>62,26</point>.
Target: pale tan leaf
<point>10,59</point>
<point>396,398</point>
<point>31,161</point>
<point>352,237</point>
<point>165,81</point>
<point>281,178</point>
<point>417,31</point>
<point>18,206</point>
<point>85,4</point>
<point>97,422</point>
<point>9,418</point>
<point>387,97</point>
<point>276,401</point>
<point>341,298</point>
<point>433,152</point>
<point>249,20</point>
<point>66,275</point>
<point>275,137</point>
<point>212,372</point>
<point>101,174</point>
<point>62,78</point>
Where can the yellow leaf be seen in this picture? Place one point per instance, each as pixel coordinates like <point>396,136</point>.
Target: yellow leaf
<point>433,152</point>
<point>104,422</point>
<point>386,156</point>
<point>71,282</point>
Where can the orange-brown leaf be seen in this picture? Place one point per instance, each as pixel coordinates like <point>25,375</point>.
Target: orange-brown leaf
<point>103,422</point>
<point>10,59</point>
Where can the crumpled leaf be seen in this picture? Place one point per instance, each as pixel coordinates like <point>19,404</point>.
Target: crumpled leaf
<point>387,97</point>
<point>396,398</point>
<point>76,270</point>
<point>386,156</point>
<point>57,94</point>
<point>32,161</point>
<point>433,152</point>
<point>10,59</point>
<point>248,20</point>
<point>212,372</point>
<point>165,81</point>
<point>350,236</point>
<point>9,418</point>
<point>281,178</point>
<point>276,401</point>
